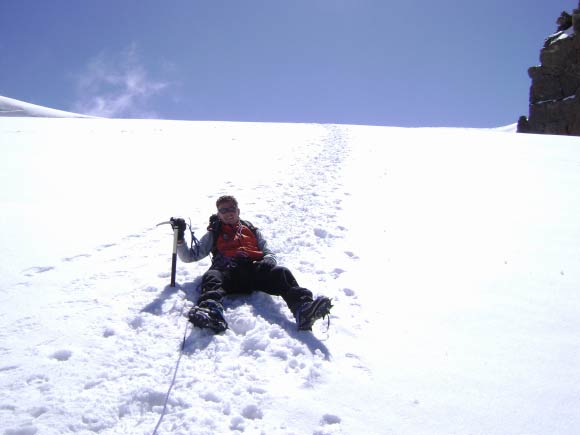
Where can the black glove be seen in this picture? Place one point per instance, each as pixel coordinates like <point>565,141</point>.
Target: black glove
<point>266,264</point>
<point>214,222</point>
<point>180,225</point>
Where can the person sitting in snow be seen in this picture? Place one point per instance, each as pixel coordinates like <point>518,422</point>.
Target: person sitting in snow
<point>242,263</point>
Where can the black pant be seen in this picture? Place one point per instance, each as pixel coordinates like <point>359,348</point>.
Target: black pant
<point>246,277</point>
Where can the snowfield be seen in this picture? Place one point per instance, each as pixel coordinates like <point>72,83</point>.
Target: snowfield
<point>452,257</point>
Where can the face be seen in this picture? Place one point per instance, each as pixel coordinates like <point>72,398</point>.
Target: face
<point>228,213</point>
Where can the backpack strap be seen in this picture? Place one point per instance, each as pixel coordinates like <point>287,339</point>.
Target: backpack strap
<point>248,224</point>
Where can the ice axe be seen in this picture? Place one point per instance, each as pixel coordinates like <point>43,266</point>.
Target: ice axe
<point>174,256</point>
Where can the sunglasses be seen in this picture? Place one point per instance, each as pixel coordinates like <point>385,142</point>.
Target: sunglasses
<point>225,210</point>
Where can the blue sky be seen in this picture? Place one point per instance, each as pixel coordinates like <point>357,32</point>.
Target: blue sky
<point>410,63</point>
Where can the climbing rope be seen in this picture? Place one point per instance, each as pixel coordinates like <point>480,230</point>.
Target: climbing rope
<point>164,411</point>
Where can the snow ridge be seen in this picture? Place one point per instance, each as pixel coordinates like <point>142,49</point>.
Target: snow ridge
<point>9,107</point>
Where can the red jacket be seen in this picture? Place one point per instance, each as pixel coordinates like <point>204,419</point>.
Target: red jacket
<point>238,241</point>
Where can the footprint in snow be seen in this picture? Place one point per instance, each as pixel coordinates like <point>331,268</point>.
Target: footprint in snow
<point>37,380</point>
<point>328,423</point>
<point>134,236</point>
<point>38,269</point>
<point>238,423</point>
<point>211,397</point>
<point>321,233</point>
<point>337,272</point>
<point>22,430</point>
<point>330,419</point>
<point>266,218</point>
<point>62,355</point>
<point>76,257</point>
<point>92,384</point>
<point>38,411</point>
<point>252,412</point>
<point>357,362</point>
<point>348,292</point>
<point>146,399</point>
<point>136,323</point>
<point>352,255</point>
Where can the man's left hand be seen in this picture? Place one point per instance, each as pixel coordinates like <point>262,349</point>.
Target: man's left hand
<point>266,264</point>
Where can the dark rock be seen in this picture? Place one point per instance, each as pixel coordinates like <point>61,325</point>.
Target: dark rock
<point>576,20</point>
<point>523,125</point>
<point>555,90</point>
<point>545,85</point>
<point>564,21</point>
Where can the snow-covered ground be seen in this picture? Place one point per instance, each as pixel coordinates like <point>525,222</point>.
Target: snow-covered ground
<point>452,257</point>
<point>17,108</point>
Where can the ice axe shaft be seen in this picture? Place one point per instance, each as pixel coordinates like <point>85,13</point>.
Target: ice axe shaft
<point>174,255</point>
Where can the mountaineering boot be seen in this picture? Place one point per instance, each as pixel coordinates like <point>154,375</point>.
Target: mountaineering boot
<point>310,312</point>
<point>209,315</point>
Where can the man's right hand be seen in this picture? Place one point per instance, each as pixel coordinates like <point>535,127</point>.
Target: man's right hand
<point>179,223</point>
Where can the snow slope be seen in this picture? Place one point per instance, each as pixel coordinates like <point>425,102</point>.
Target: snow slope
<point>10,107</point>
<point>451,256</point>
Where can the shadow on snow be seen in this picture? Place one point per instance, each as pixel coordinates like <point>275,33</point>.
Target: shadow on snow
<point>262,305</point>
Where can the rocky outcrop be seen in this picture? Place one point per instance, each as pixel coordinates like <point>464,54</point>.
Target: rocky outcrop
<point>555,89</point>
